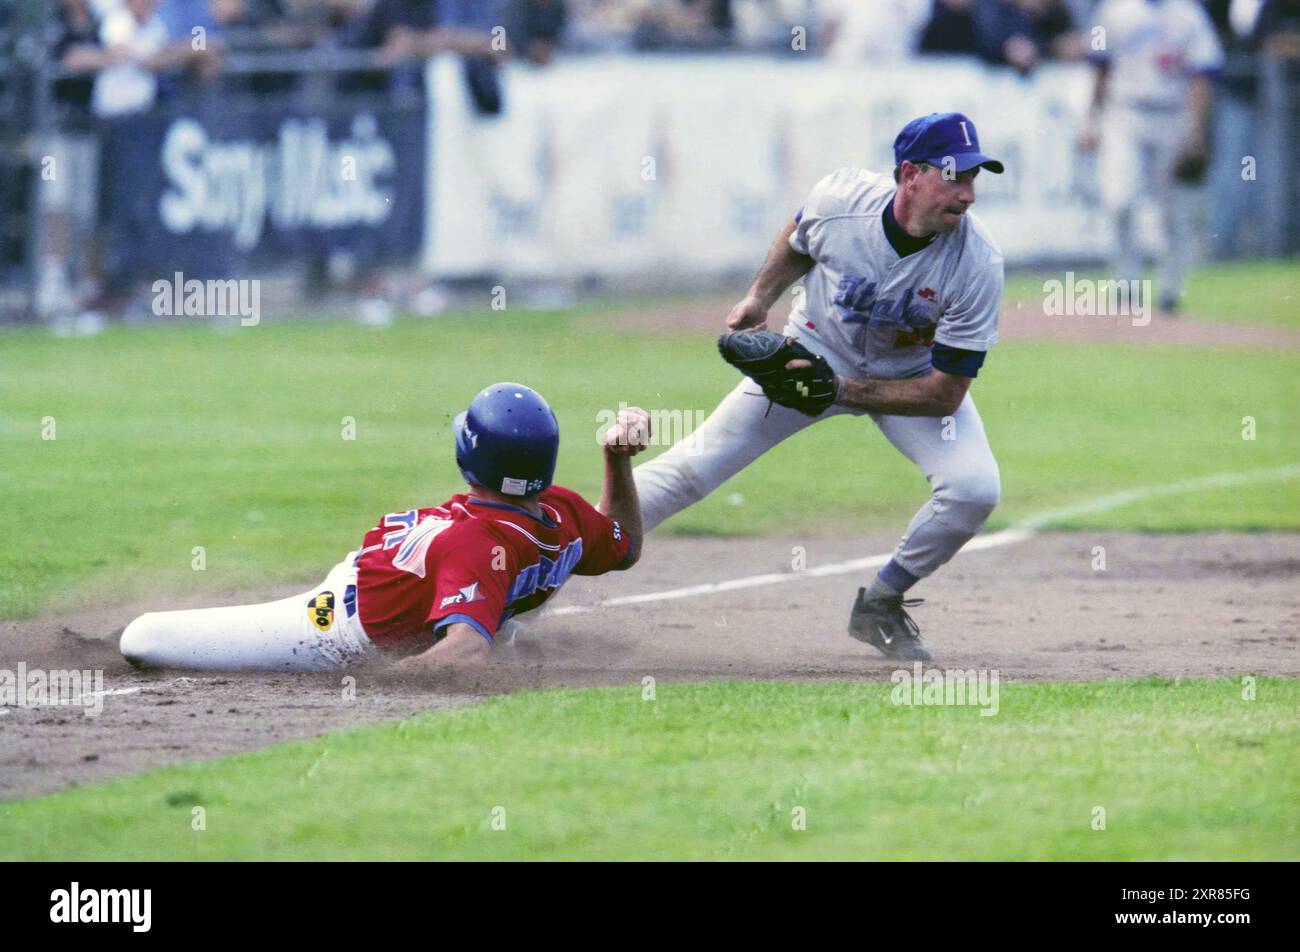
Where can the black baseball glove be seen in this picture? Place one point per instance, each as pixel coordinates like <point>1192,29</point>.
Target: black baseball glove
<point>762,356</point>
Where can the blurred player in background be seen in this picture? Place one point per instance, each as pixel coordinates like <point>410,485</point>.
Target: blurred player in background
<point>1150,115</point>
<point>431,586</point>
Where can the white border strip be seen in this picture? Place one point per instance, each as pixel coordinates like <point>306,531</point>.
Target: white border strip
<point>1022,533</point>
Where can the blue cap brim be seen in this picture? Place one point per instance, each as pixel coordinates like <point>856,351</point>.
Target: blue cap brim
<point>965,161</point>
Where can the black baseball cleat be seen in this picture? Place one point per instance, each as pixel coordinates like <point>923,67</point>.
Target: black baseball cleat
<point>885,623</point>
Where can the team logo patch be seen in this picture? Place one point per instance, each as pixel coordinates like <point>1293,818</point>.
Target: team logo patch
<point>463,597</point>
<point>320,610</point>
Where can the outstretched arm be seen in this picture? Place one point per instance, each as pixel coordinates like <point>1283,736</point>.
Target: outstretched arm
<point>462,649</point>
<point>618,499</point>
<point>782,268</point>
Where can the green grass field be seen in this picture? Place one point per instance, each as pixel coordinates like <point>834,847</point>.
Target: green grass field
<point>1183,770</point>
<point>1254,292</point>
<point>168,438</point>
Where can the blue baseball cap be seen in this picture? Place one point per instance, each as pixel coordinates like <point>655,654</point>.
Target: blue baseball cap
<point>939,136</point>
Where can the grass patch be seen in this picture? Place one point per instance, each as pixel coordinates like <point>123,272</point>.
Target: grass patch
<point>1241,292</point>
<point>1184,770</point>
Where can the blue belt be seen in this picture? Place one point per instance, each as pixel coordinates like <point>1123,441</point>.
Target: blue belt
<point>350,600</point>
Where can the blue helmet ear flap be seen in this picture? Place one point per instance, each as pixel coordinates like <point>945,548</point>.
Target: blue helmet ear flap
<point>465,441</point>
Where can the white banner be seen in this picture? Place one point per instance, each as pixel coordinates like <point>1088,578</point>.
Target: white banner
<point>689,165</point>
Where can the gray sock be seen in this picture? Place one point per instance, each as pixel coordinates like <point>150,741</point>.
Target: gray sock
<point>878,589</point>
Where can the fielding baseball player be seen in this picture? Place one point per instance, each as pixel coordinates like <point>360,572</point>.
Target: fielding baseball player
<point>431,586</point>
<point>902,287</point>
<point>1150,115</point>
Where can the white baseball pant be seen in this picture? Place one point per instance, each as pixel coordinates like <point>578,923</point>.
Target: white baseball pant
<point>963,475</point>
<point>1139,149</point>
<point>307,632</point>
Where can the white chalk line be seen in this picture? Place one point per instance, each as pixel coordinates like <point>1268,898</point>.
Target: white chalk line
<point>119,692</point>
<point>111,692</point>
<point>1126,497</point>
<point>1026,530</point>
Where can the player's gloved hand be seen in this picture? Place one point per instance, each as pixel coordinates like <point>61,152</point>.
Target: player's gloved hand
<point>748,314</point>
<point>789,373</point>
<point>630,434</point>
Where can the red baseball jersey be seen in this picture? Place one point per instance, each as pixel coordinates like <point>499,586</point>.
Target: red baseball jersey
<point>476,562</point>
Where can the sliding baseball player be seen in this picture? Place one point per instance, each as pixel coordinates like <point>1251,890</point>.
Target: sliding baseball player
<point>430,586</point>
<point>902,286</point>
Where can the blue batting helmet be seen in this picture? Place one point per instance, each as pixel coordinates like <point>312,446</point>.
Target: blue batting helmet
<point>507,440</point>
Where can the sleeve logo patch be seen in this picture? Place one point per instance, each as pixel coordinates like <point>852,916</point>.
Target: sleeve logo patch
<point>320,610</point>
<point>463,597</point>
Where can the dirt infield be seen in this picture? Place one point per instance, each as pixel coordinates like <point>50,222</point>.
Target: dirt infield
<point>1172,605</point>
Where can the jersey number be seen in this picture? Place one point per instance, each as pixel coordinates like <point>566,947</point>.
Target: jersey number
<point>412,540</point>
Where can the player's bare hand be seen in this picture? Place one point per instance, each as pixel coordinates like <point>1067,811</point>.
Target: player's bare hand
<point>749,314</point>
<point>630,434</point>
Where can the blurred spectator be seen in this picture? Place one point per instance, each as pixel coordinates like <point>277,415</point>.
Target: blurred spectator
<point>298,22</point>
<point>67,199</point>
<point>1277,30</point>
<point>951,28</point>
<point>682,23</point>
<point>405,30</point>
<point>868,31</point>
<point>602,23</point>
<point>1022,33</point>
<point>219,19</point>
<point>539,24</point>
<point>768,24</point>
<point>184,17</point>
<point>1234,203</point>
<point>76,47</point>
<point>132,36</point>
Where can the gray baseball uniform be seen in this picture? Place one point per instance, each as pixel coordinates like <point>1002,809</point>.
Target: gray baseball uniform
<point>871,310</point>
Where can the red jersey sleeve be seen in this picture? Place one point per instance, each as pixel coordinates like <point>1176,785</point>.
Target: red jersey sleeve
<point>604,543</point>
<point>472,581</point>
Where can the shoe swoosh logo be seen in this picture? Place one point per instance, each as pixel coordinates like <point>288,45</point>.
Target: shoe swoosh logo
<point>888,640</point>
